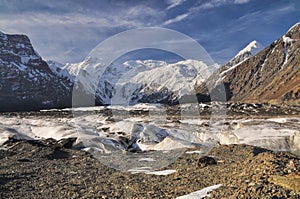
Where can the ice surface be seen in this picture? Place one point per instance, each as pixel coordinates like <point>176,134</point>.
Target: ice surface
<point>151,132</point>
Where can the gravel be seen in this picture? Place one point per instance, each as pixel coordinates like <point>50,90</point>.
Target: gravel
<point>53,169</point>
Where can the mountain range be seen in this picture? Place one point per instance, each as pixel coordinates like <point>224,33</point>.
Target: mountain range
<point>254,75</point>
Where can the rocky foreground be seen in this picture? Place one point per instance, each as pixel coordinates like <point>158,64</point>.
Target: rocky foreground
<point>52,169</point>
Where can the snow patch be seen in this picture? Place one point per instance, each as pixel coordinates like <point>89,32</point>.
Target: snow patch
<point>161,173</point>
<point>201,193</point>
<point>147,160</point>
<point>286,42</point>
<point>231,68</point>
<point>192,152</point>
<point>140,170</point>
<point>147,170</point>
<point>278,120</point>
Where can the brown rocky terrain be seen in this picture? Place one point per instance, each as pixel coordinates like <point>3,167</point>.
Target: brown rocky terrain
<point>272,75</point>
<point>52,169</point>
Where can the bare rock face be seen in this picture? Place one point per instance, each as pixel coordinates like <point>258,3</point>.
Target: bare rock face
<point>272,75</point>
<point>27,82</point>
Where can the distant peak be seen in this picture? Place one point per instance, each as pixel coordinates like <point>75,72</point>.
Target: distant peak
<point>253,47</point>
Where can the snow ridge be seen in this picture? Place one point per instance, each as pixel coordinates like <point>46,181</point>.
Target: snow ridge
<point>252,48</point>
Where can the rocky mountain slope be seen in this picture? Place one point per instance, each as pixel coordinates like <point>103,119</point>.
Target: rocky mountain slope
<point>272,75</point>
<point>26,82</point>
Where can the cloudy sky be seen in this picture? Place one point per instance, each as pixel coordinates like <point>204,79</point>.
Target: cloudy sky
<point>67,30</point>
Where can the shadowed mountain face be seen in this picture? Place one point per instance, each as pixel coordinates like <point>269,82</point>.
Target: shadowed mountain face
<point>26,82</point>
<point>272,75</point>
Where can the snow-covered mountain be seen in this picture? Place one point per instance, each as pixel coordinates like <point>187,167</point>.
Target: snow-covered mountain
<point>26,80</point>
<point>250,50</point>
<point>134,81</point>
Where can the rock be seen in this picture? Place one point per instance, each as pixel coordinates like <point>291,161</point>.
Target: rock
<point>290,181</point>
<point>67,143</point>
<point>206,161</point>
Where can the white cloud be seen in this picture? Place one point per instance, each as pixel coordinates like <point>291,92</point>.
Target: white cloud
<point>218,3</point>
<point>174,3</point>
<point>213,4</point>
<point>246,21</point>
<point>240,1</point>
<point>67,20</point>
<point>266,15</point>
<point>176,19</point>
<point>64,38</point>
<point>69,36</point>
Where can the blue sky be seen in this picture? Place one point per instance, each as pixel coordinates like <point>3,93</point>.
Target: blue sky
<point>67,30</point>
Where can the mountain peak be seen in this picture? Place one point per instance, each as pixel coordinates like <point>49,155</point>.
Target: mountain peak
<point>252,48</point>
